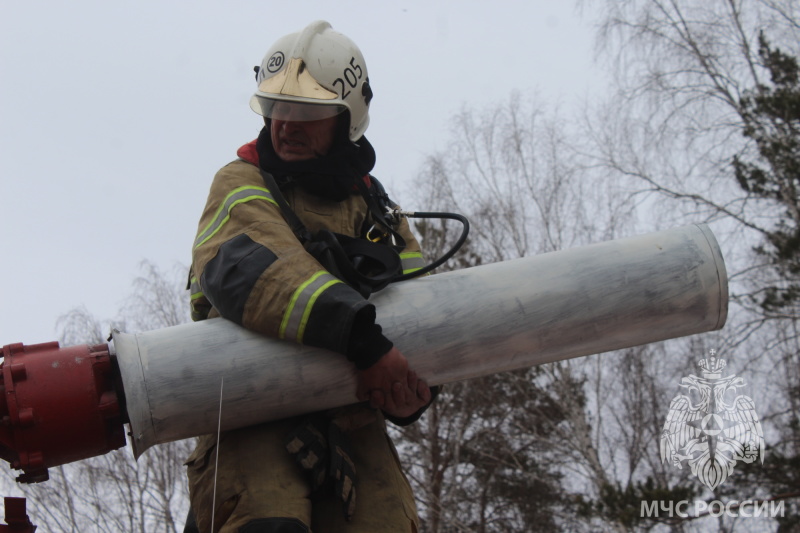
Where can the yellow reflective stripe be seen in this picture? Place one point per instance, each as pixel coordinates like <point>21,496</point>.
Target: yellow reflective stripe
<point>297,312</point>
<point>302,329</point>
<point>195,291</point>
<point>223,214</point>
<point>411,256</point>
<point>290,308</point>
<point>411,261</point>
<point>198,303</point>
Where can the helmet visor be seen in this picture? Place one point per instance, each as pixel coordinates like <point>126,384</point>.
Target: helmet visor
<point>293,111</point>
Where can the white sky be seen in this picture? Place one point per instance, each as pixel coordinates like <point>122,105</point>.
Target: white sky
<point>114,117</point>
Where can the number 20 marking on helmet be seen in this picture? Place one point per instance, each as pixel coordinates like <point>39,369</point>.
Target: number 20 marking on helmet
<point>349,76</point>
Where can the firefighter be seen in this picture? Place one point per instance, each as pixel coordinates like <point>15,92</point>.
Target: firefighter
<point>290,244</point>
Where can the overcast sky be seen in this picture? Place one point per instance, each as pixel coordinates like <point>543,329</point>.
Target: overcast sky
<point>114,117</point>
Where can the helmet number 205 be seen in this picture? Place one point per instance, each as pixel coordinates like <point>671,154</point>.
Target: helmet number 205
<point>350,77</point>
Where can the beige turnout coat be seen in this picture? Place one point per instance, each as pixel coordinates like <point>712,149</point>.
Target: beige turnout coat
<point>249,267</point>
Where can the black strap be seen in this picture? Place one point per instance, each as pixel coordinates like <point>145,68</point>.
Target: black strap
<point>289,215</point>
<point>364,265</point>
<point>373,207</point>
<point>398,242</point>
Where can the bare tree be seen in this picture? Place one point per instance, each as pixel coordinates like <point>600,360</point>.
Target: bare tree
<point>491,445</point>
<point>586,430</point>
<point>679,118</point>
<point>701,121</point>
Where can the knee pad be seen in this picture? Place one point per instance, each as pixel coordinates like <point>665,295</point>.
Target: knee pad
<point>274,525</point>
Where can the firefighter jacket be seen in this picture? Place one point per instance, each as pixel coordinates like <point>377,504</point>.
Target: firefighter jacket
<point>249,267</point>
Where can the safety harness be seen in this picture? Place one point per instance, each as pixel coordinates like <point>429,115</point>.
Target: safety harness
<point>370,263</point>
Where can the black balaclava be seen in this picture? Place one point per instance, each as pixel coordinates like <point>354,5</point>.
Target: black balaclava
<point>331,176</point>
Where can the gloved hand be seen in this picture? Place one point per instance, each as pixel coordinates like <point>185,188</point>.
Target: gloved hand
<point>322,449</point>
<point>392,386</point>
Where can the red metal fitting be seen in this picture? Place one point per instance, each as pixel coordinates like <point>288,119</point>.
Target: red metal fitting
<point>58,405</point>
<point>16,518</point>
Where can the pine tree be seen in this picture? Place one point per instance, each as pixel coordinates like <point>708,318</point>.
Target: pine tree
<point>771,115</point>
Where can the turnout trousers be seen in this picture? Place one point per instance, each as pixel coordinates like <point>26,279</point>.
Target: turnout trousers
<point>260,488</point>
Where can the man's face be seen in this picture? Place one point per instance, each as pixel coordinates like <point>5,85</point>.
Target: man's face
<point>302,139</point>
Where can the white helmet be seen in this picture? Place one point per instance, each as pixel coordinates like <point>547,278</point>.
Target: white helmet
<point>321,72</point>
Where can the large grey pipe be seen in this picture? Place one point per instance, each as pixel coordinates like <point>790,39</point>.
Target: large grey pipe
<point>451,326</point>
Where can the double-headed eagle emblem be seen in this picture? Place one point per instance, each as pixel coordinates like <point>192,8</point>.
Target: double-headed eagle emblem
<point>711,426</point>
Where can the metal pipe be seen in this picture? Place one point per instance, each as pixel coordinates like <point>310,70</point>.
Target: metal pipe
<point>451,326</point>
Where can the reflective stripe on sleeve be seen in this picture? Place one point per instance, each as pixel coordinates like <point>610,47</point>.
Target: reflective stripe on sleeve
<point>223,214</point>
<point>295,318</point>
<point>195,291</point>
<point>411,261</point>
<point>199,305</point>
